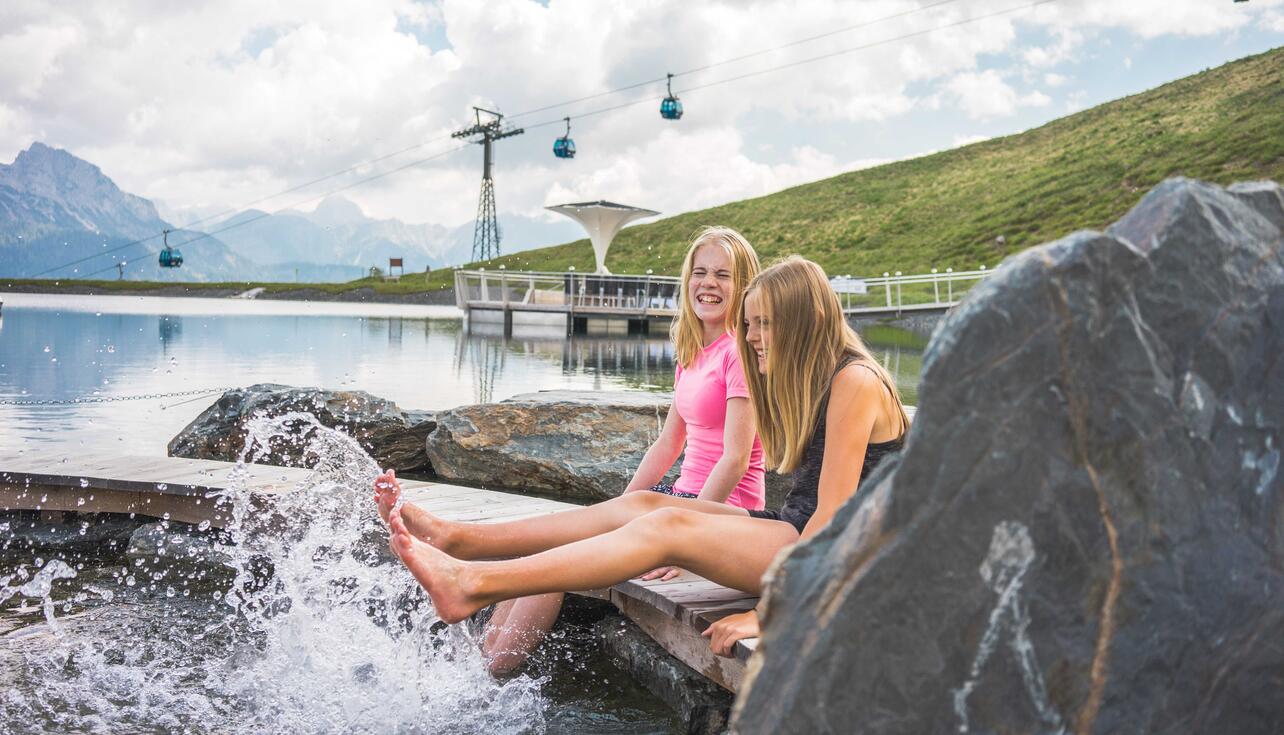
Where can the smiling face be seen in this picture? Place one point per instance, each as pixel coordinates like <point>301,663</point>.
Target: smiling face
<point>757,328</point>
<point>710,286</point>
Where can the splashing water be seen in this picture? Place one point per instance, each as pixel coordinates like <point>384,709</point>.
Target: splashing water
<point>320,629</point>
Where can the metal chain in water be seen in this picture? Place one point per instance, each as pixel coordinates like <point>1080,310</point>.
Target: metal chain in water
<point>112,399</point>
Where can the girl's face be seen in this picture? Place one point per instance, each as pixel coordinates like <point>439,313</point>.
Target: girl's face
<point>758,332</point>
<point>711,284</point>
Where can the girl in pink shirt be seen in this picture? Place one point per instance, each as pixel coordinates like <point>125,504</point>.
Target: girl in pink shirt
<point>711,418</point>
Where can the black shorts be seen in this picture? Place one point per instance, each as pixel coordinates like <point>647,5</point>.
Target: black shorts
<point>665,488</point>
<point>775,515</point>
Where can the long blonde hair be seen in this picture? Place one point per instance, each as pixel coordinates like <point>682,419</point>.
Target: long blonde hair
<point>686,331</point>
<point>809,338</point>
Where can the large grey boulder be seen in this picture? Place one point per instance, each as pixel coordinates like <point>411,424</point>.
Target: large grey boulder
<point>1085,531</point>
<point>579,446</point>
<point>575,445</point>
<point>395,438</point>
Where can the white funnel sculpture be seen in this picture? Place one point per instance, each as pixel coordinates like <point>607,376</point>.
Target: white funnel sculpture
<point>603,221</point>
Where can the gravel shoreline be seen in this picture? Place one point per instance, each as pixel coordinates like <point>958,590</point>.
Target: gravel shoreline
<point>444,297</point>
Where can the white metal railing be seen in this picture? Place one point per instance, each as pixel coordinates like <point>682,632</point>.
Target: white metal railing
<point>890,293</point>
<point>570,291</point>
<point>567,291</point>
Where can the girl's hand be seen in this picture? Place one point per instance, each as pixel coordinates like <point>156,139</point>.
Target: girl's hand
<point>723,634</point>
<point>387,493</point>
<point>664,574</point>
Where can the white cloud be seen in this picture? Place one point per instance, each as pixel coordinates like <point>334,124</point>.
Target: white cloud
<point>1053,79</point>
<point>1145,18</point>
<point>962,140</point>
<point>1273,20</point>
<point>984,95</point>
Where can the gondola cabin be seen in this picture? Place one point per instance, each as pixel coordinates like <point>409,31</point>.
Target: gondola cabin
<point>170,257</point>
<point>671,106</point>
<point>564,147</point>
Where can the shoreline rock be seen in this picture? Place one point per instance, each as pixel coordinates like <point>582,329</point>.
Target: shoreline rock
<point>576,446</point>
<point>394,438</point>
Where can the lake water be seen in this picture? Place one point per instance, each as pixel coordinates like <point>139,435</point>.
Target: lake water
<point>108,642</point>
<point>116,349</point>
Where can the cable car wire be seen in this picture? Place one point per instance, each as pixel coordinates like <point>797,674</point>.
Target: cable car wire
<point>724,62</point>
<point>863,47</point>
<point>791,64</point>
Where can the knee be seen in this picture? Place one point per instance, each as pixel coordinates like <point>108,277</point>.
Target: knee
<point>665,523</point>
<point>642,501</point>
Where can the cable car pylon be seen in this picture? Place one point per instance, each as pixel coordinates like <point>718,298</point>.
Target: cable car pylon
<point>486,236</point>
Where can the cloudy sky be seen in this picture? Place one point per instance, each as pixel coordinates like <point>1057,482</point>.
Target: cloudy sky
<point>204,105</point>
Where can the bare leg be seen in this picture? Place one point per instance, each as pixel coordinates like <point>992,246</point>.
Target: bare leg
<point>517,628</point>
<point>732,550</point>
<point>540,533</point>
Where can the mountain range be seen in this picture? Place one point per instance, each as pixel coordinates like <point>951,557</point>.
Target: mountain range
<point>61,216</point>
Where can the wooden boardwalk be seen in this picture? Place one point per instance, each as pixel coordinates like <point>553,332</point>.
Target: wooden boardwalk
<point>673,613</point>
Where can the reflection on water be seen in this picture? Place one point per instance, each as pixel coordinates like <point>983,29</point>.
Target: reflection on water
<point>90,349</point>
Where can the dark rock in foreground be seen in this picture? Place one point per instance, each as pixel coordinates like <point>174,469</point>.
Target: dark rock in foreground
<point>395,438</point>
<point>1085,531</point>
<point>577,446</point>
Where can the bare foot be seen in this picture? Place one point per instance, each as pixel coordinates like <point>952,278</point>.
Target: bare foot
<point>424,525</point>
<point>438,572</point>
<point>387,492</point>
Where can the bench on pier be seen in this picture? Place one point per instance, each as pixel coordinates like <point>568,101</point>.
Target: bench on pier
<point>674,613</point>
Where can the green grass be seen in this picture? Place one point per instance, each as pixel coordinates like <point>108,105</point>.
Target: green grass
<point>1083,171</point>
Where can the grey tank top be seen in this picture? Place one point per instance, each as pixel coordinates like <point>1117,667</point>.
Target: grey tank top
<point>800,503</point>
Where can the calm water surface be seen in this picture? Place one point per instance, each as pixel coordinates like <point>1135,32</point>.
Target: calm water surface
<point>116,349</point>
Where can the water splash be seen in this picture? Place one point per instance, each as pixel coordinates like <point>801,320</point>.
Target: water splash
<point>319,630</point>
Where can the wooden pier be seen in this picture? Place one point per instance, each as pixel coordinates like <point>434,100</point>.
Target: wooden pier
<point>674,613</point>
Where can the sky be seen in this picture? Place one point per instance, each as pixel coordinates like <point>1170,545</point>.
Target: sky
<point>207,105</point>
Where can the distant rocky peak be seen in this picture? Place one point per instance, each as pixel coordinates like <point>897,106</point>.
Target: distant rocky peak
<point>336,210</point>
<point>80,187</point>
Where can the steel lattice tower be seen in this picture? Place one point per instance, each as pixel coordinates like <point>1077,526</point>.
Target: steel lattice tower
<point>486,236</point>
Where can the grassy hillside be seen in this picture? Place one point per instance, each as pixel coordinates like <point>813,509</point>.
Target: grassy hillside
<point>1080,171</point>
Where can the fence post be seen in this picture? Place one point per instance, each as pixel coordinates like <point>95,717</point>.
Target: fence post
<point>887,284</point>
<point>936,286</point>
<point>949,284</point>
<point>485,289</point>
<point>898,290</point>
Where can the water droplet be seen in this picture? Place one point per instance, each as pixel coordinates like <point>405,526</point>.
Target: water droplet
<point>130,581</point>
<point>162,487</point>
<point>170,592</point>
<point>203,526</point>
<point>46,348</point>
<point>110,348</point>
